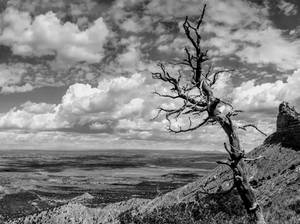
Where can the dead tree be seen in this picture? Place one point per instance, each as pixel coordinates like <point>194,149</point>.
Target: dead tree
<point>194,89</point>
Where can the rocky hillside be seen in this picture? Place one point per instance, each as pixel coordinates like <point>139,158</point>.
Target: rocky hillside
<point>275,178</point>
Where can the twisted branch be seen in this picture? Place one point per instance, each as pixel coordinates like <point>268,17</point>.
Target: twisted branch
<point>253,126</point>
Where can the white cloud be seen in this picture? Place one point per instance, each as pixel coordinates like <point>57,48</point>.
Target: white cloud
<point>130,25</point>
<point>11,75</point>
<point>17,89</point>
<point>111,99</point>
<point>141,125</point>
<point>117,107</point>
<point>223,87</point>
<point>18,77</point>
<point>243,29</point>
<point>239,28</point>
<point>288,8</point>
<point>46,35</point>
<point>22,119</point>
<point>12,78</point>
<point>122,83</point>
<point>251,97</point>
<point>81,104</point>
<point>131,56</point>
<point>134,106</point>
<point>38,108</point>
<point>269,46</point>
<point>98,126</point>
<point>121,107</point>
<point>18,139</point>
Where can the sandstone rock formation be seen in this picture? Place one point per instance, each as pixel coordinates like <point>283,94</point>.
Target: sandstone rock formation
<point>288,128</point>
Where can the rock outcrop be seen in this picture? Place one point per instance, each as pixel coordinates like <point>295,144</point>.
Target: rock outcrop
<point>288,119</point>
<point>288,128</point>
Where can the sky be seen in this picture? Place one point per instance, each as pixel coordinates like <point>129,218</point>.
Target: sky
<point>76,74</point>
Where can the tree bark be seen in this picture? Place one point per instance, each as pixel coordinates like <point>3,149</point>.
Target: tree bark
<point>239,170</point>
<point>237,163</point>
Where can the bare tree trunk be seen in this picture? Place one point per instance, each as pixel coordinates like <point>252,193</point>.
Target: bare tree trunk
<point>203,80</point>
<point>239,170</point>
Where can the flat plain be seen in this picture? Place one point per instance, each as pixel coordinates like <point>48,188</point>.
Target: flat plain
<point>34,180</point>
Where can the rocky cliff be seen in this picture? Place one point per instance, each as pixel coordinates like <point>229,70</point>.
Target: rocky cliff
<point>275,178</point>
<point>288,128</point>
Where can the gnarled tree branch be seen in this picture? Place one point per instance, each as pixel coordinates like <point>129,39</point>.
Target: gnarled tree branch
<point>197,94</point>
<point>252,126</point>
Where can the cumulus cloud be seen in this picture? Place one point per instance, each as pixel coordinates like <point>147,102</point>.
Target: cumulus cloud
<point>119,109</point>
<point>132,58</point>
<point>46,35</point>
<point>82,104</point>
<point>261,97</point>
<point>116,107</point>
<point>22,119</point>
<point>269,46</point>
<point>243,29</point>
<point>134,106</point>
<point>38,108</point>
<point>247,32</point>
<point>110,100</point>
<point>239,28</point>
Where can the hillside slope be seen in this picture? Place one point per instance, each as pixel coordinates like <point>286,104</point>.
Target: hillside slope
<point>275,178</point>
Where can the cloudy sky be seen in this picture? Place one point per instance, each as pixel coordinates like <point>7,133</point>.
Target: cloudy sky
<point>76,74</point>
